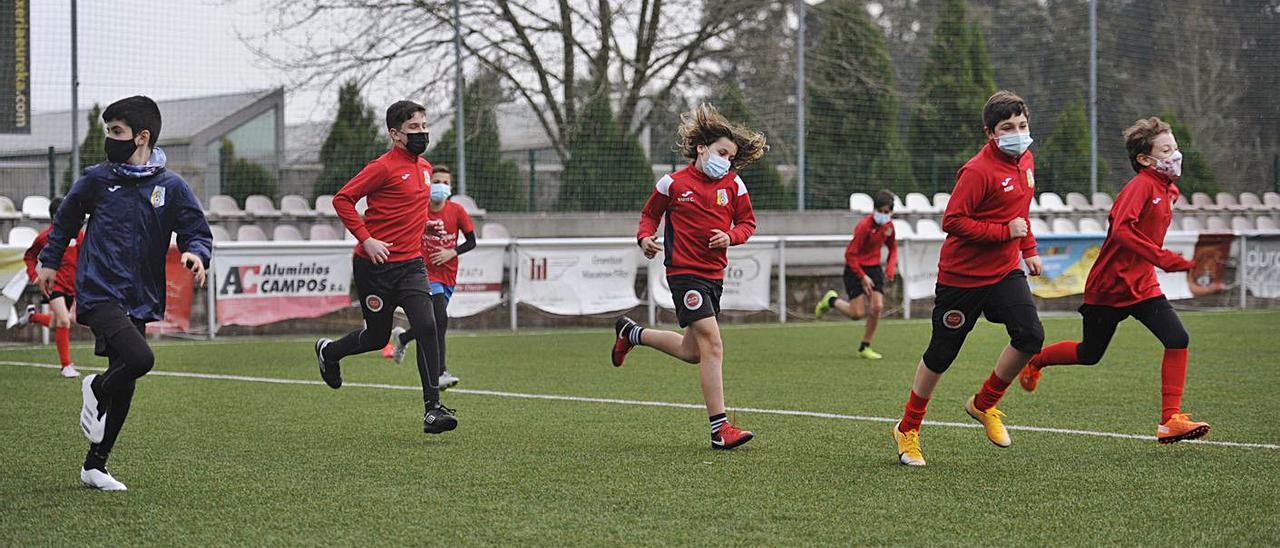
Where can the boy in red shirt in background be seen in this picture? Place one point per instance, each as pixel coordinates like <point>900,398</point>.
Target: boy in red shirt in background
<point>706,209</point>
<point>862,272</point>
<point>1122,282</point>
<point>978,273</point>
<point>440,248</point>
<point>61,299</point>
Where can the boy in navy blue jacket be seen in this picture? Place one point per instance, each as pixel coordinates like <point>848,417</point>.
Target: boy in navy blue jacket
<point>120,284</point>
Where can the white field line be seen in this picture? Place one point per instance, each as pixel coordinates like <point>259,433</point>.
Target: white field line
<point>649,403</point>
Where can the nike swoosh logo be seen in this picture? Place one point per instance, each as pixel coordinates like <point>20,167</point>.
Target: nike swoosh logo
<point>113,188</point>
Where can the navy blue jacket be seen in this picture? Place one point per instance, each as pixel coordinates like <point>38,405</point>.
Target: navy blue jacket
<point>122,257</point>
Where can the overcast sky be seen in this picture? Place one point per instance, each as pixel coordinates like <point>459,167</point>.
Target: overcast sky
<point>166,49</point>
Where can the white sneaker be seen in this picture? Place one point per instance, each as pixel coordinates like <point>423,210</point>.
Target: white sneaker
<point>25,318</point>
<point>93,426</point>
<point>69,372</point>
<point>98,479</point>
<point>397,347</point>
<point>447,381</point>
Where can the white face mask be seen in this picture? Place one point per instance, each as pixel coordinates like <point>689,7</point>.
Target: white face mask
<point>881,218</point>
<point>1171,167</point>
<point>1014,144</point>
<point>715,166</point>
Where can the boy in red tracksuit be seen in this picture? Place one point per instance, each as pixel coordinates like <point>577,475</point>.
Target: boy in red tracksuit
<point>862,272</point>
<point>706,209</point>
<point>978,273</point>
<point>61,299</point>
<point>1122,282</point>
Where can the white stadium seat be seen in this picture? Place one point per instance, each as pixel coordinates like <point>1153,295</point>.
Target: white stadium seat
<point>1271,200</point>
<point>467,203</point>
<point>1217,224</point>
<point>324,231</point>
<point>1184,204</point>
<point>1102,201</point>
<point>251,233</point>
<point>902,229</point>
<point>324,206</point>
<point>1192,224</point>
<point>220,233</point>
<point>861,203</point>
<point>1203,202</point>
<point>287,233</point>
<point>1038,226</point>
<point>7,209</point>
<point>1089,225</point>
<point>1252,202</point>
<point>22,236</point>
<point>940,201</point>
<point>918,203</point>
<point>224,207</point>
<point>260,206</point>
<point>35,207</point>
<point>1267,223</point>
<point>295,206</point>
<point>1227,200</point>
<point>1062,225</point>
<point>1078,202</point>
<point>1241,223</point>
<point>1035,205</point>
<point>362,206</point>
<point>1052,203</point>
<point>928,227</point>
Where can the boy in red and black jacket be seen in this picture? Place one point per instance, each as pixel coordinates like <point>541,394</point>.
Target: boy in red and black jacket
<point>61,299</point>
<point>388,268</point>
<point>978,273</point>
<point>862,272</point>
<point>1122,282</point>
<point>705,209</point>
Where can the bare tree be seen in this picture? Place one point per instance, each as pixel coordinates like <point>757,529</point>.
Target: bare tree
<point>630,49</point>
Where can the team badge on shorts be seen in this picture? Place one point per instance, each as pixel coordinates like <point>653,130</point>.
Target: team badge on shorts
<point>953,319</point>
<point>373,303</point>
<point>692,299</point>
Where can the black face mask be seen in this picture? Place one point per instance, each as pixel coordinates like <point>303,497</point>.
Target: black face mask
<point>416,143</point>
<point>119,150</point>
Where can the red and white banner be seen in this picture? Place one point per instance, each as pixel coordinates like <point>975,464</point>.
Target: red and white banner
<point>258,285</point>
<point>178,289</point>
<point>746,280</point>
<point>479,281</point>
<point>575,280</point>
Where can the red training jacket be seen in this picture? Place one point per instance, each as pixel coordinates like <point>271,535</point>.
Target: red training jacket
<point>456,221</point>
<point>1124,273</point>
<point>65,281</point>
<point>991,190</point>
<point>398,188</point>
<point>692,205</point>
<point>864,248</point>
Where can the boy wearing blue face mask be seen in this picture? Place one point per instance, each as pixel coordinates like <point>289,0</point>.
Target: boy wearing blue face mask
<point>441,249</point>
<point>862,272</point>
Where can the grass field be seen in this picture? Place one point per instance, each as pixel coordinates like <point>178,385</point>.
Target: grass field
<point>241,461</point>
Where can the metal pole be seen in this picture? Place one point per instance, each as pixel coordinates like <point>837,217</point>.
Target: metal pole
<point>514,260</point>
<point>212,301</point>
<point>53,172</point>
<point>800,191</point>
<point>1093,97</point>
<point>460,124</point>
<point>650,274</point>
<point>1242,272</point>
<point>902,273</point>
<point>75,96</point>
<point>533,179</point>
<point>782,280</point>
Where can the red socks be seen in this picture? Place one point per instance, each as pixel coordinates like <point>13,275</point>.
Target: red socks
<point>914,413</point>
<point>42,319</point>
<point>990,393</point>
<point>1173,376</point>
<point>1059,353</point>
<point>63,337</point>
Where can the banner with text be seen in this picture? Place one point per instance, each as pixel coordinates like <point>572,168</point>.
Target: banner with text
<point>574,280</point>
<point>260,285</point>
<point>746,280</point>
<point>179,286</point>
<point>1262,266</point>
<point>15,66</point>
<point>479,282</point>
<point>1067,260</point>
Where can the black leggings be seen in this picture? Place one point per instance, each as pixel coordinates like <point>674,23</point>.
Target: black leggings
<point>439,304</point>
<point>1100,325</point>
<point>123,341</point>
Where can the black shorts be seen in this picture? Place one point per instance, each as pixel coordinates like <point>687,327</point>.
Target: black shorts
<point>956,310</point>
<point>68,298</point>
<point>1100,323</point>
<point>853,282</point>
<point>695,297</point>
<point>381,287</point>
<point>106,320</point>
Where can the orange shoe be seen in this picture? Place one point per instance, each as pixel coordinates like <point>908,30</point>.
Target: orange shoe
<point>1029,377</point>
<point>1180,427</point>
<point>388,350</point>
<point>730,436</point>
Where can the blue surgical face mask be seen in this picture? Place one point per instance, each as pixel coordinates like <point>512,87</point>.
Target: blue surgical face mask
<point>715,166</point>
<point>881,218</point>
<point>1014,144</point>
<point>439,192</point>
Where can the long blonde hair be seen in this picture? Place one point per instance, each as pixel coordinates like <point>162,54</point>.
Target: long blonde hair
<point>705,125</point>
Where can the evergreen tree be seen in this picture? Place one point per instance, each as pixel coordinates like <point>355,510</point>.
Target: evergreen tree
<point>852,141</point>
<point>763,181</point>
<point>492,182</point>
<point>242,178</point>
<point>1197,174</point>
<point>91,149</point>
<point>356,138</point>
<point>1062,163</point>
<point>946,120</point>
<point>607,170</point>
